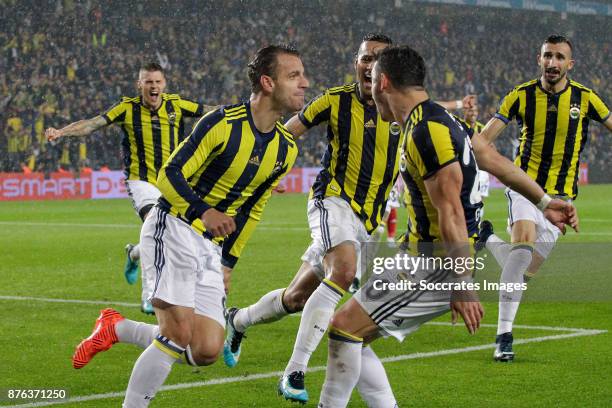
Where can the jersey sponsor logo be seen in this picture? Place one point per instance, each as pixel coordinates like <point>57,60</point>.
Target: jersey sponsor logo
<point>370,124</point>
<point>552,108</point>
<point>574,111</point>
<point>397,322</point>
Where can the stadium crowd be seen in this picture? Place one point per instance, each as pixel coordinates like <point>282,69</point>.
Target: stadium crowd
<point>70,60</point>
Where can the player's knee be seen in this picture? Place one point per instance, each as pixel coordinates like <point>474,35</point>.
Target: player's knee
<point>294,299</point>
<point>205,357</point>
<point>343,273</point>
<point>205,349</point>
<point>179,332</point>
<point>523,232</point>
<point>340,320</point>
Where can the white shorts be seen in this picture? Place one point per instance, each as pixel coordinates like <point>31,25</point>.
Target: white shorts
<point>394,199</point>
<point>483,183</point>
<point>519,208</point>
<point>142,194</point>
<point>332,221</point>
<point>186,266</point>
<point>400,312</point>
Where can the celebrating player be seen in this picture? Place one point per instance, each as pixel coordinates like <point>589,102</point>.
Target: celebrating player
<point>554,113</point>
<point>152,125</point>
<point>440,172</point>
<point>346,204</point>
<point>214,188</point>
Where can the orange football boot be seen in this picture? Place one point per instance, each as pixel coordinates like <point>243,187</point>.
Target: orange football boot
<point>101,339</point>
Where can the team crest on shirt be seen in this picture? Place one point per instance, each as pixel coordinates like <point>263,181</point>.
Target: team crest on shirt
<point>171,118</point>
<point>395,128</point>
<point>574,111</point>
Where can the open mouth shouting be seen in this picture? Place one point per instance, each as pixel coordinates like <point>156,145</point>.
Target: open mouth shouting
<point>552,74</point>
<point>367,79</point>
<point>154,96</point>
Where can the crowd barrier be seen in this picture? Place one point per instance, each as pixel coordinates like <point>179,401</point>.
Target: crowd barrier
<point>110,184</point>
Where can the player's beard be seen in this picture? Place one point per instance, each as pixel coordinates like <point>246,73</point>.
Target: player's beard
<point>556,80</point>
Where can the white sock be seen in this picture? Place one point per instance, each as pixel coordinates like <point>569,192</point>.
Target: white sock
<point>135,252</point>
<point>317,311</point>
<point>142,335</point>
<point>138,333</point>
<point>499,248</point>
<point>266,310</point>
<point>373,384</point>
<point>517,263</point>
<point>150,372</point>
<point>343,368</point>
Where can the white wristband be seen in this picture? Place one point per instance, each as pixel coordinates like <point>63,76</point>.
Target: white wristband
<point>459,104</point>
<point>546,199</point>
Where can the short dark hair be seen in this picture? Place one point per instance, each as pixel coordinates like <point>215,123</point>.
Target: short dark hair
<point>264,63</point>
<point>152,67</point>
<point>558,39</point>
<point>403,66</point>
<point>378,37</point>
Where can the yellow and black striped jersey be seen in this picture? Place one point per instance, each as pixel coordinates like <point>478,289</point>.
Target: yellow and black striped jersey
<point>150,136</point>
<point>226,164</point>
<point>554,130</point>
<point>433,139</point>
<point>361,162</point>
<point>477,126</point>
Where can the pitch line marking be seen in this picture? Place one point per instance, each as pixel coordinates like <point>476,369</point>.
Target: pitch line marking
<point>252,377</point>
<point>129,304</point>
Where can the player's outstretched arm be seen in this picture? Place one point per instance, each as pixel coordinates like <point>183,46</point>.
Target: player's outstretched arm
<point>79,128</point>
<point>468,102</point>
<point>493,129</point>
<point>296,127</point>
<point>559,212</point>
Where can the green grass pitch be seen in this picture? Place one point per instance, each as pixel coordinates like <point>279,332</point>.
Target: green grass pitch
<point>73,250</point>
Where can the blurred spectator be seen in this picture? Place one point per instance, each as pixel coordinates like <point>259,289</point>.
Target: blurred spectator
<point>69,60</point>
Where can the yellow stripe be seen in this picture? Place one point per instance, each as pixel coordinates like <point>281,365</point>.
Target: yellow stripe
<point>417,160</point>
<point>539,131</point>
<point>147,141</point>
<point>440,136</point>
<point>235,109</point>
<point>165,132</point>
<point>335,286</point>
<point>129,126</point>
<point>333,121</point>
<point>571,173</point>
<point>559,144</point>
<point>355,142</point>
<point>166,350</point>
<point>378,170</point>
<point>342,333</point>
<point>522,96</point>
<point>239,163</point>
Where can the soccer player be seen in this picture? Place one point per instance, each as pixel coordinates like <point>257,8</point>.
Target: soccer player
<point>152,125</point>
<point>214,188</point>
<point>346,204</point>
<point>554,113</point>
<point>440,172</point>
